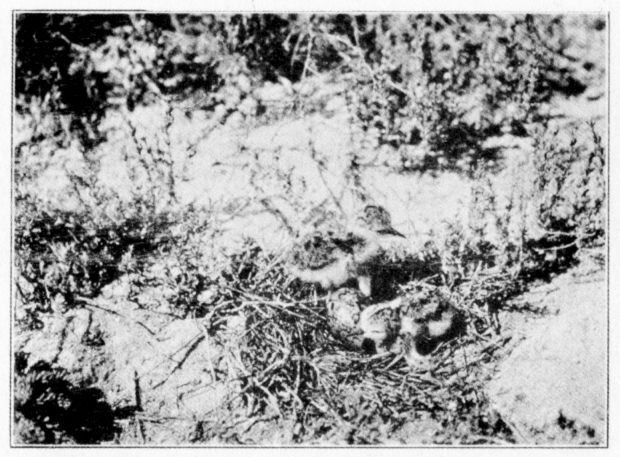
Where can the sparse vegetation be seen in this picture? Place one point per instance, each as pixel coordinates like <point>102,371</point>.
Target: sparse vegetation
<point>420,94</point>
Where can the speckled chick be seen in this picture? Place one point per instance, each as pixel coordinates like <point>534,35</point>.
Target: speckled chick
<point>377,220</point>
<point>426,324</point>
<point>380,324</point>
<point>332,257</point>
<point>343,314</point>
<point>327,259</point>
<point>385,245</point>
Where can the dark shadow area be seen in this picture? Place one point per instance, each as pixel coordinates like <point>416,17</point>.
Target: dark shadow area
<point>550,255</point>
<point>50,409</point>
<point>566,84</point>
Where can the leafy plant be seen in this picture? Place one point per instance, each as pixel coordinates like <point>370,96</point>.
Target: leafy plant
<point>64,255</point>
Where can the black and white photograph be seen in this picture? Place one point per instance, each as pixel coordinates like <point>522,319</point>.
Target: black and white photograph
<point>309,229</point>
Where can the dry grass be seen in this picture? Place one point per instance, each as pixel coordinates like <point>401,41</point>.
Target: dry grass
<point>195,207</point>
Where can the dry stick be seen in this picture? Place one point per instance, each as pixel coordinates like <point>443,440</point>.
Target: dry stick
<point>168,160</point>
<point>159,419</point>
<point>265,201</point>
<point>396,359</point>
<point>300,37</point>
<point>226,402</point>
<point>180,363</point>
<point>278,214</point>
<point>279,258</point>
<point>170,356</point>
<point>321,168</point>
<point>251,422</point>
<point>495,344</point>
<point>308,54</point>
<point>89,302</point>
<point>277,305</point>
<point>138,399</point>
<point>212,311</point>
<point>513,427</point>
<point>259,299</point>
<point>137,393</point>
<point>140,145</point>
<point>62,339</point>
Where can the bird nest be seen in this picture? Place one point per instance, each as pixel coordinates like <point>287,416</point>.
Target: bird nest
<point>293,365</point>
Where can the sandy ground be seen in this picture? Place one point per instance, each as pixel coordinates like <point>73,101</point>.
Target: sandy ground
<point>552,388</point>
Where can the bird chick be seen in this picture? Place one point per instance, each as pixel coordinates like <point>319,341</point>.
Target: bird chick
<point>328,259</point>
<point>424,325</point>
<point>332,257</point>
<point>343,315</point>
<point>380,325</point>
<point>377,220</point>
<point>379,263</point>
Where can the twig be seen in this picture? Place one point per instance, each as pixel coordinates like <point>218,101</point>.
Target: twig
<point>137,392</point>
<point>138,400</point>
<point>180,363</point>
<point>278,214</point>
<point>89,302</point>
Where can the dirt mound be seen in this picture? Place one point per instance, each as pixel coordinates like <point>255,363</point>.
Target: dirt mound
<point>552,388</point>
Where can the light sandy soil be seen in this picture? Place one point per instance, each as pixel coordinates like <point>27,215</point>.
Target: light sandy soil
<point>552,388</point>
<point>161,365</point>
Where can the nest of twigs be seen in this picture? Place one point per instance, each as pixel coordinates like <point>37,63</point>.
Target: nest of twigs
<point>292,368</point>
